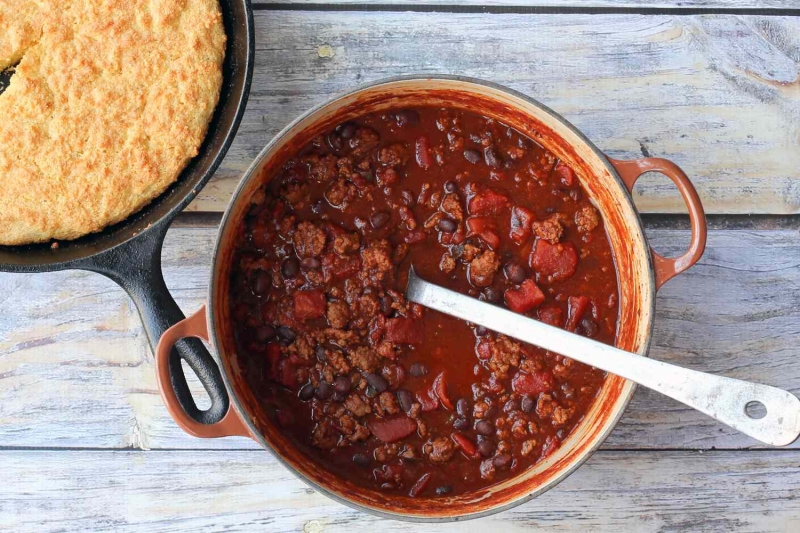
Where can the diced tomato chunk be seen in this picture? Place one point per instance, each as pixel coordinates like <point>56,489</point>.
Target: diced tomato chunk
<point>577,308</point>
<point>521,220</point>
<point>466,445</point>
<point>484,228</point>
<point>440,389</point>
<point>524,383</point>
<point>404,330</point>
<point>557,261</point>
<point>309,304</point>
<point>565,174</point>
<point>422,152</point>
<point>487,202</point>
<point>552,315</point>
<point>525,297</point>
<point>420,485</point>
<point>428,400</point>
<point>335,266</point>
<point>393,429</point>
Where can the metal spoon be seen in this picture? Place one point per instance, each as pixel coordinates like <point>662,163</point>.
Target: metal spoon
<point>721,398</point>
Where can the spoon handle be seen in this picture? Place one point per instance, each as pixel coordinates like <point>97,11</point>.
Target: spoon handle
<point>721,398</point>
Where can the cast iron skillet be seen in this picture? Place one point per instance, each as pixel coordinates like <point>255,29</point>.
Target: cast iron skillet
<point>129,253</point>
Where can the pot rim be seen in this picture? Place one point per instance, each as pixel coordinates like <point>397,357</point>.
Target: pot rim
<point>254,169</point>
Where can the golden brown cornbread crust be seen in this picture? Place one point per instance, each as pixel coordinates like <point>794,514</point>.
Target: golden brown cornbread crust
<point>110,101</point>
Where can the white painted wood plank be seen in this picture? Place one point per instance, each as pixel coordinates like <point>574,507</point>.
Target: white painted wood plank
<point>75,370</point>
<point>580,4</point>
<point>719,95</point>
<point>175,491</point>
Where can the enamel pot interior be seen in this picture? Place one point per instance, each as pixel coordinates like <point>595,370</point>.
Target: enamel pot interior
<point>634,271</point>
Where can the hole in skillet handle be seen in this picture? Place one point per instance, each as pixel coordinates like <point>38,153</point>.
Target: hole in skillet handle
<point>755,410</point>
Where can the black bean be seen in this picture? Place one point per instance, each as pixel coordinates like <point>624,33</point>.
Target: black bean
<point>341,384</point>
<point>334,141</point>
<point>460,423</point>
<point>306,392</point>
<point>527,404</point>
<point>480,331</point>
<point>318,207</point>
<point>491,157</point>
<point>406,117</point>
<point>450,186</point>
<point>462,407</point>
<point>511,405</point>
<point>491,295</point>
<point>338,397</point>
<point>418,369</point>
<point>562,434</point>
<point>379,219</point>
<point>290,267</point>
<point>406,399</point>
<point>310,263</point>
<point>589,327</point>
<point>261,281</point>
<point>324,390</point>
<point>484,427</point>
<point>377,382</point>
<point>362,460</point>
<point>515,272</point>
<point>371,392</point>
<point>569,392</point>
<point>502,460</point>
<point>408,197</point>
<point>473,156</point>
<point>490,412</point>
<point>322,356</point>
<point>265,333</point>
<point>346,130</point>
<point>485,447</point>
<point>286,334</point>
<point>444,489</point>
<point>446,225</point>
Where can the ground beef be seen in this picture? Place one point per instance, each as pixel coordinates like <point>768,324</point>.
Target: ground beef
<point>545,406</point>
<point>344,167</point>
<point>376,263</point>
<point>527,447</point>
<point>321,168</point>
<point>439,450</point>
<point>469,252</point>
<point>586,219</point>
<point>337,361</point>
<point>561,415</point>
<point>338,314</point>
<point>447,264</point>
<point>392,156</point>
<point>309,240</point>
<point>549,229</point>
<point>506,353</point>
<point>451,206</point>
<point>386,404</point>
<point>340,192</point>
<point>357,405</point>
<point>364,140</point>
<point>345,243</point>
<point>295,193</point>
<point>483,268</point>
<point>365,359</point>
<point>324,436</point>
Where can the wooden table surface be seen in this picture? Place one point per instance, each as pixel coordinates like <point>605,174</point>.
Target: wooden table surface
<point>85,442</point>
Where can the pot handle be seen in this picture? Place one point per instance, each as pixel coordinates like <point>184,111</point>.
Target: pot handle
<point>166,361</point>
<point>667,268</point>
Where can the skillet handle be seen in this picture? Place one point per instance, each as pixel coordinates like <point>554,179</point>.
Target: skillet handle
<point>195,326</point>
<point>667,268</point>
<point>136,266</point>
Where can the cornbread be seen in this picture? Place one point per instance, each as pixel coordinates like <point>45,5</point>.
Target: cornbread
<point>109,102</point>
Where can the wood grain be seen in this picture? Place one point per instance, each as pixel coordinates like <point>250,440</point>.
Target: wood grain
<point>75,369</point>
<point>719,95</point>
<point>179,491</point>
<point>578,4</point>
